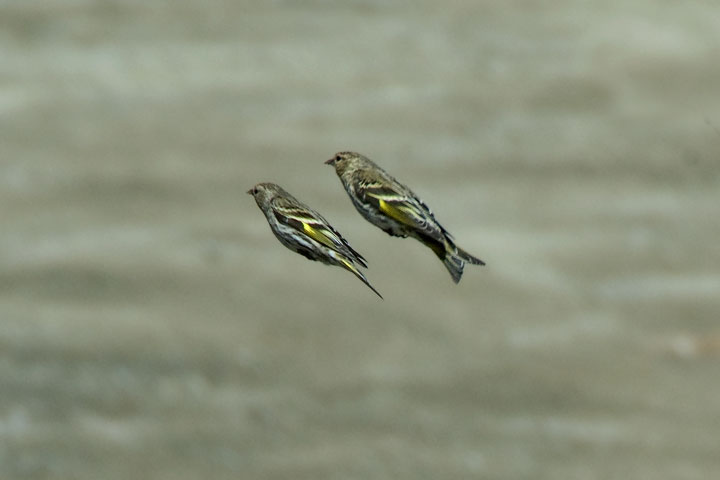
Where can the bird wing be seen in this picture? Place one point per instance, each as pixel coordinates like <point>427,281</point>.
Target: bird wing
<point>400,204</point>
<point>311,224</point>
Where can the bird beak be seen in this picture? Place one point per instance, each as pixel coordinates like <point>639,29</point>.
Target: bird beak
<point>249,192</point>
<point>330,162</point>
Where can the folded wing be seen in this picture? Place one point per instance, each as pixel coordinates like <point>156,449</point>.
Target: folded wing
<point>403,207</point>
<point>311,224</point>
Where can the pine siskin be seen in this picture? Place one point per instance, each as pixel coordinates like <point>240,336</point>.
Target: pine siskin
<point>305,231</point>
<point>394,208</point>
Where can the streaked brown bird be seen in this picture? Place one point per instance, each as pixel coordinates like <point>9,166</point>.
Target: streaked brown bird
<point>305,231</point>
<point>394,208</point>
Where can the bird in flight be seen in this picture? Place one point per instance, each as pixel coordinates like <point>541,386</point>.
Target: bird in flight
<point>305,231</point>
<point>395,209</point>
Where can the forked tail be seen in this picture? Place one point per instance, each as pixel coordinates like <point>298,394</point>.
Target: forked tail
<point>469,258</point>
<point>453,257</point>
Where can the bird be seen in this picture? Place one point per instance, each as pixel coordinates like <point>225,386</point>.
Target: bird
<point>305,231</point>
<point>395,209</point>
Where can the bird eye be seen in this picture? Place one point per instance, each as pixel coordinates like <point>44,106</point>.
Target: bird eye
<point>338,158</point>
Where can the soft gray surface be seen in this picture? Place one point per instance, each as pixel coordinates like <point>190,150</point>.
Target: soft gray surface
<point>152,327</point>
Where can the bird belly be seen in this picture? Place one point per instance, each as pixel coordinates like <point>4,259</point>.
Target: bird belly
<point>298,243</point>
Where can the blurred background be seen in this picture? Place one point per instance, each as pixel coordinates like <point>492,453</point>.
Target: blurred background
<point>152,327</point>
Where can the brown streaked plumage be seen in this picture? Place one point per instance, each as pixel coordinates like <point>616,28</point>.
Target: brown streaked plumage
<point>394,208</point>
<point>305,231</point>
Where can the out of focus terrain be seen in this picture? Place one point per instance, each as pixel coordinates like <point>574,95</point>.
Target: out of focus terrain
<point>152,327</point>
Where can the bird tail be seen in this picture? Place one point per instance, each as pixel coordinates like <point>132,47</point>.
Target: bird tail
<point>453,257</point>
<point>469,258</point>
<point>455,265</point>
<point>349,266</point>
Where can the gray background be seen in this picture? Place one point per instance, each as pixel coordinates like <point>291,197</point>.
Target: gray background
<point>152,327</point>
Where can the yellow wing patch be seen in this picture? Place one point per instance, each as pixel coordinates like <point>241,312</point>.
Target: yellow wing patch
<point>318,235</point>
<point>348,265</point>
<point>309,230</point>
<point>402,215</point>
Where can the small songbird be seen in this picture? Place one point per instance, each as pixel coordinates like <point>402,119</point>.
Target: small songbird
<point>303,230</point>
<point>395,209</point>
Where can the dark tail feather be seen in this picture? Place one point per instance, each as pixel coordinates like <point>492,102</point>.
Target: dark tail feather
<point>365,281</point>
<point>358,274</point>
<point>469,258</point>
<point>454,258</point>
<point>449,254</point>
<point>455,265</point>
<point>358,258</point>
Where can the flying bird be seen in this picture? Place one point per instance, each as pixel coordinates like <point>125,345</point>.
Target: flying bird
<point>395,209</point>
<point>305,231</point>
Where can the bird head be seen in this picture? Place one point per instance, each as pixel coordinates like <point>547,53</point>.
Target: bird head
<point>263,192</point>
<point>342,161</point>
